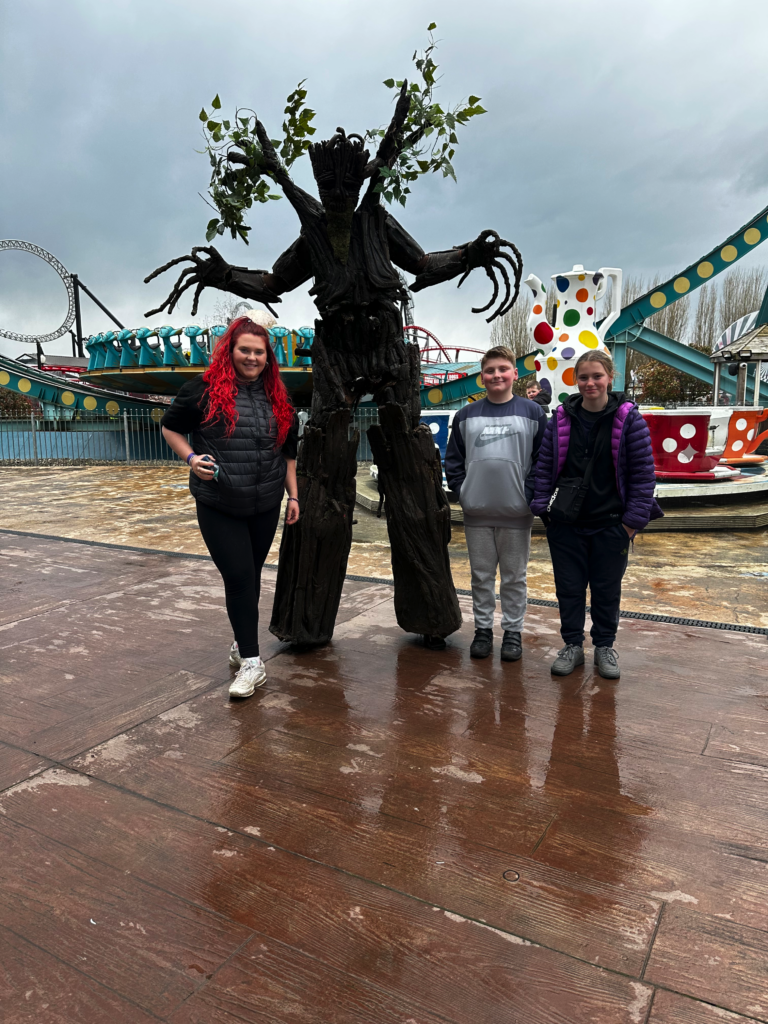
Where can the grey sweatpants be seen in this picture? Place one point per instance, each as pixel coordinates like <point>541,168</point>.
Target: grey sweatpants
<point>489,547</point>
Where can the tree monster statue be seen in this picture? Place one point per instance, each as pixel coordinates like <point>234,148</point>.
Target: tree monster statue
<point>347,246</point>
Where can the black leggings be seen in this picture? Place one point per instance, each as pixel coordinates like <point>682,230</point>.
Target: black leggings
<point>239,548</point>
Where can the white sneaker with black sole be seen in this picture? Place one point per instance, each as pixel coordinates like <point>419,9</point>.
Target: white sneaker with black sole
<point>252,674</point>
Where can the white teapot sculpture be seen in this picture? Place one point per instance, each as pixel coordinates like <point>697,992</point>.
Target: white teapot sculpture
<point>577,294</point>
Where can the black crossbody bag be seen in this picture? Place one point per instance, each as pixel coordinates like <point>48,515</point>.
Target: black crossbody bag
<point>569,493</point>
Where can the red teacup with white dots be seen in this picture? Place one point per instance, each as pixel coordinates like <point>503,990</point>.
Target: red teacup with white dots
<point>680,439</point>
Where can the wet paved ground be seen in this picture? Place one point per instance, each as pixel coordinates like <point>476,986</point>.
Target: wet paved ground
<point>718,576</point>
<point>382,834</point>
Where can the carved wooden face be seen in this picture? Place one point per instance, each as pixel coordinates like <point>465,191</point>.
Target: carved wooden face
<point>339,168</point>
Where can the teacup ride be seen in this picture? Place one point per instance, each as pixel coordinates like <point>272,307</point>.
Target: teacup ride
<point>744,437</point>
<point>688,444</point>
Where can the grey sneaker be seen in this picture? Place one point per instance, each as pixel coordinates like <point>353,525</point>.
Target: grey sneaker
<point>567,659</point>
<point>252,674</point>
<point>607,663</point>
<point>234,656</point>
<point>482,645</point>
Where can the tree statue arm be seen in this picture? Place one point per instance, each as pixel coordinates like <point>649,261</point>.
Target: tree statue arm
<point>488,251</point>
<point>211,270</point>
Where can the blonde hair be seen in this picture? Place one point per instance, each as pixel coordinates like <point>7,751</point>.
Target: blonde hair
<point>596,357</point>
<point>499,352</point>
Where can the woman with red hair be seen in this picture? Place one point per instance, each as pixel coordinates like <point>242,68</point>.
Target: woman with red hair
<point>244,437</point>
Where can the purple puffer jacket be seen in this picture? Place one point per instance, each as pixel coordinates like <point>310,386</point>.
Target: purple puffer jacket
<point>632,459</point>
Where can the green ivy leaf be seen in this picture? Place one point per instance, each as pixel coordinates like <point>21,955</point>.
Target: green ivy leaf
<point>202,115</point>
<point>432,27</point>
<point>389,82</point>
<point>216,102</point>
<point>212,230</point>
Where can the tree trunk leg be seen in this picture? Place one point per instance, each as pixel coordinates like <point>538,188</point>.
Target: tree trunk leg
<point>418,520</point>
<point>314,551</point>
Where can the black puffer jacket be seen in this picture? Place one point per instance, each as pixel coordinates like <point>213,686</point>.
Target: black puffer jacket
<point>251,470</point>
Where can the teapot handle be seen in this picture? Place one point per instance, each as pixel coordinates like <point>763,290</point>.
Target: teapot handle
<point>615,309</point>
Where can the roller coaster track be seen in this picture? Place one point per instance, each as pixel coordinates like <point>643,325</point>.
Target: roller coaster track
<point>69,393</point>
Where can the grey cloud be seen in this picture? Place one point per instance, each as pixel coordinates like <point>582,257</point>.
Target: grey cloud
<point>617,134</point>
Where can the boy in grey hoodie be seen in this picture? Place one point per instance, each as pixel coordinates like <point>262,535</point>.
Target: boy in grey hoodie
<point>490,463</point>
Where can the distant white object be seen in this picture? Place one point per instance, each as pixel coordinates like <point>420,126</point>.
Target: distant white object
<point>260,317</point>
<point>374,471</point>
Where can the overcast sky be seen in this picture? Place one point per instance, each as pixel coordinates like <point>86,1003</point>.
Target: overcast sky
<point>625,133</point>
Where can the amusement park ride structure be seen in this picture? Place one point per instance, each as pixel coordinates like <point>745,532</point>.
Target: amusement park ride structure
<point>126,367</point>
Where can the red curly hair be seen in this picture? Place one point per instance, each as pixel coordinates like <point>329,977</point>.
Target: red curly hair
<point>222,381</point>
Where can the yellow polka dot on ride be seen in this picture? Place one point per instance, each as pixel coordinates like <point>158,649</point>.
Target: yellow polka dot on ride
<point>588,339</point>
<point>24,385</point>
<point>705,269</point>
<point>752,236</point>
<point>658,299</point>
<point>729,253</point>
<point>90,403</point>
<point>67,398</point>
<point>552,363</point>
<point>681,286</point>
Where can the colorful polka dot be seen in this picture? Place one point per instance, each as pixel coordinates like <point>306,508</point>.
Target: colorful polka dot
<point>589,339</point>
<point>435,395</point>
<point>90,403</point>
<point>568,353</point>
<point>529,362</point>
<point>113,408</point>
<point>67,398</point>
<point>537,364</point>
<point>545,385</point>
<point>552,363</point>
<point>687,430</point>
<point>24,385</point>
<point>571,317</point>
<point>563,396</point>
<point>537,309</point>
<point>562,284</point>
<point>543,333</point>
<point>737,446</point>
<point>582,276</point>
<point>568,378</point>
<point>669,444</point>
<point>681,285</point>
<point>729,253</point>
<point>705,269</point>
<point>563,337</point>
<point>590,311</point>
<point>741,424</point>
<point>752,236</point>
<point>582,295</point>
<point>658,299</point>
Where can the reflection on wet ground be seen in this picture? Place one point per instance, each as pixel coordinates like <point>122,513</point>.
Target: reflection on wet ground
<point>717,576</point>
<point>383,834</point>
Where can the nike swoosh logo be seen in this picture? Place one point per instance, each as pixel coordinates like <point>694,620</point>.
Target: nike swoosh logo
<point>491,434</point>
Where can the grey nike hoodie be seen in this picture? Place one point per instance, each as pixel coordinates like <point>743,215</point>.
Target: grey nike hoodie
<point>490,461</point>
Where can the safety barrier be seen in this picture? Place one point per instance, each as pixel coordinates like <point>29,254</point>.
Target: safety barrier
<point>130,438</point>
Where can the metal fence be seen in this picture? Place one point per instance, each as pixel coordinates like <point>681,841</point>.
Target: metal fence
<point>84,439</point>
<point>131,438</point>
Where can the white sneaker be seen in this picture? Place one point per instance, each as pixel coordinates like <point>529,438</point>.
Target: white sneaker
<point>234,656</point>
<point>252,674</point>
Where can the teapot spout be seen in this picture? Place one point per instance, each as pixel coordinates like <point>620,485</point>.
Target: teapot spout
<point>539,330</point>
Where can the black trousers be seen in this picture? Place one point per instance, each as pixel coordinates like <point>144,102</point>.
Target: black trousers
<point>597,561</point>
<point>239,548</point>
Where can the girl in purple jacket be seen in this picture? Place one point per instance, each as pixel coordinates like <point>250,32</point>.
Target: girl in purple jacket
<point>596,458</point>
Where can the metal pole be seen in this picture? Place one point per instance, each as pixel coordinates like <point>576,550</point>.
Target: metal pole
<point>101,305</point>
<point>741,384</point>
<point>716,395</point>
<point>127,437</point>
<point>34,438</point>
<point>758,371</point>
<point>78,317</point>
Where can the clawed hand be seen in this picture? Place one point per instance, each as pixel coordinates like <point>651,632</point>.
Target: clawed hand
<point>207,272</point>
<point>487,251</point>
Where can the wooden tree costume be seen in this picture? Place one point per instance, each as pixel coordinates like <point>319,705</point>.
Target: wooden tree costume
<point>347,246</point>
